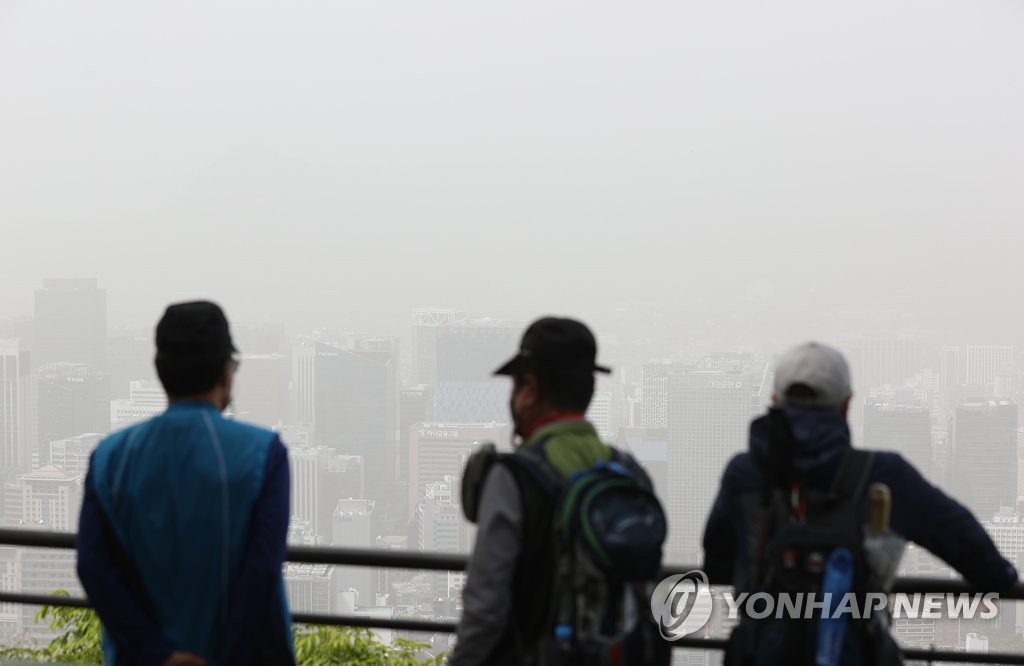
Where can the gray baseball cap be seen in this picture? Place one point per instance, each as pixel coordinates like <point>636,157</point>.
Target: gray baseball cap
<point>813,376</point>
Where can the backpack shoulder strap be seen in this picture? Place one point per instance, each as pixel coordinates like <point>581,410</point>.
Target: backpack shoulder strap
<point>534,463</point>
<point>852,476</point>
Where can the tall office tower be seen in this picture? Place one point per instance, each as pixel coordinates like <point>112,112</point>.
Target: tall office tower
<point>15,408</point>
<point>416,406</point>
<point>654,392</point>
<point>600,415</point>
<point>352,527</point>
<point>984,460</point>
<point>425,325</point>
<point>71,323</point>
<point>303,383</point>
<point>356,409</point>
<point>71,455</point>
<point>952,376</point>
<point>468,353</point>
<point>319,478</point>
<point>130,356</point>
<point>876,361</point>
<point>261,389</point>
<point>906,429</point>
<point>437,450</point>
<point>983,362</point>
<point>440,527</point>
<point>71,399</point>
<point>146,399</point>
<point>650,448</point>
<point>708,419</point>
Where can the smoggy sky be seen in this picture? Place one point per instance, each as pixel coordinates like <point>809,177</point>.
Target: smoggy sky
<point>771,165</point>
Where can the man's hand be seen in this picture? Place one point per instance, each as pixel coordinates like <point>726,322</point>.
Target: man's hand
<point>184,659</point>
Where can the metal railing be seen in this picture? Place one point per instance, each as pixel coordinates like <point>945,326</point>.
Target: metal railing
<point>390,559</point>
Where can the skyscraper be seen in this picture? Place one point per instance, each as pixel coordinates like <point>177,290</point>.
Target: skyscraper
<point>468,352</point>
<point>71,399</point>
<point>71,323</point>
<point>15,407</point>
<point>905,429</point>
<point>654,393</point>
<point>356,408</point>
<point>983,362</point>
<point>425,326</point>
<point>708,418</point>
<point>437,450</point>
<point>984,460</point>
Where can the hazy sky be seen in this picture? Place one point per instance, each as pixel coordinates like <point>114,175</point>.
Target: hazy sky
<point>340,161</point>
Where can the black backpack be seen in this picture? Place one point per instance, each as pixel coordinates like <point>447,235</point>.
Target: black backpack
<point>607,530</point>
<point>799,530</point>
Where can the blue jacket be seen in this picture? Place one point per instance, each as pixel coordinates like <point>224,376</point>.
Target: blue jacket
<point>182,539</point>
<point>920,512</point>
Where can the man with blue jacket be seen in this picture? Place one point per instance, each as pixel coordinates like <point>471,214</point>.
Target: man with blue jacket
<point>185,517</point>
<point>812,390</point>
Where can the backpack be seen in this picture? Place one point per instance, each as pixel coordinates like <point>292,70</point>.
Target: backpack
<point>607,529</point>
<point>801,531</point>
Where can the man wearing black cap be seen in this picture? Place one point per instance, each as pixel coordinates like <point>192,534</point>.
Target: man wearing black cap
<point>183,526</point>
<point>507,591</point>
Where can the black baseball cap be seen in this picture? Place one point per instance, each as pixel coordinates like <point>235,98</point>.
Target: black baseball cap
<point>555,341</point>
<point>194,331</point>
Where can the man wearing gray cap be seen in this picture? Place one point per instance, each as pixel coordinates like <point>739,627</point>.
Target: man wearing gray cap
<point>800,451</point>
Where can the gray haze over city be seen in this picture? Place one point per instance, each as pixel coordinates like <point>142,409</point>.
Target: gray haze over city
<point>409,184</point>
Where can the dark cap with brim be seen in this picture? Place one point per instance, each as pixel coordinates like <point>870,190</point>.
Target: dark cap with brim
<point>557,343</point>
<point>195,331</point>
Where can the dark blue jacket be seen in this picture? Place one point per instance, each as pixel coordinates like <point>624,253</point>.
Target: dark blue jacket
<point>920,512</point>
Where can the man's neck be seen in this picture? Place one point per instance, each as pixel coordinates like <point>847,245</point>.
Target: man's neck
<point>554,417</point>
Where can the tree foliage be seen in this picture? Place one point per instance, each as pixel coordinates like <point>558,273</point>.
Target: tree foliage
<point>79,642</point>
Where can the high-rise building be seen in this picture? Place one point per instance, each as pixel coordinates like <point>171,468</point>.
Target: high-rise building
<point>654,393</point>
<point>983,362</point>
<point>650,448</point>
<point>468,352</point>
<point>876,361</point>
<point>303,383</point>
<point>71,399</point>
<point>319,478</point>
<point>352,527</point>
<point>130,356</point>
<point>440,526</point>
<point>15,407</point>
<point>984,458</point>
<point>600,414</point>
<point>425,326</point>
<point>71,323</point>
<point>356,408</point>
<point>708,419</point>
<point>261,389</point>
<point>437,450</point>
<point>905,429</point>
